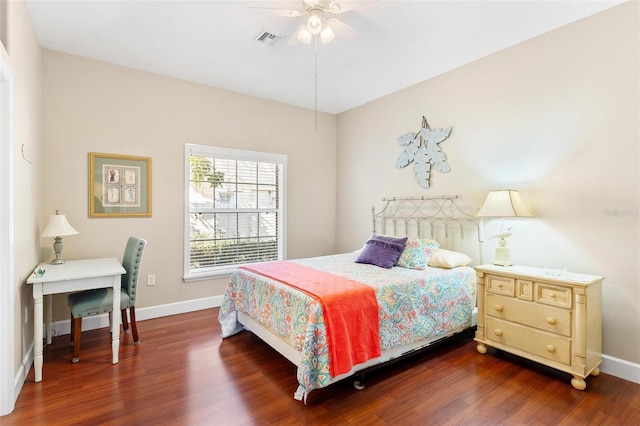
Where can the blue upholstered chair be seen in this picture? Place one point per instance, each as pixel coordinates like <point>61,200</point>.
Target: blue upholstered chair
<point>97,301</point>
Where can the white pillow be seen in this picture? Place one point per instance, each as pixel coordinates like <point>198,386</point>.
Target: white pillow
<point>441,258</point>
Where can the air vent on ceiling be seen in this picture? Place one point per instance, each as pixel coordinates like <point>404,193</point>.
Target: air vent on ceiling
<point>267,38</point>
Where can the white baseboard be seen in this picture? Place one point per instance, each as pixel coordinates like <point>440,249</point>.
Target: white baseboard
<point>620,368</point>
<point>21,375</point>
<point>610,365</point>
<point>61,328</point>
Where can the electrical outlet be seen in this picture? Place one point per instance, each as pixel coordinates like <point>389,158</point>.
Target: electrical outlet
<point>26,314</point>
<point>151,279</point>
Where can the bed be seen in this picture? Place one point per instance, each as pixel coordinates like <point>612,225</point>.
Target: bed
<point>383,312</point>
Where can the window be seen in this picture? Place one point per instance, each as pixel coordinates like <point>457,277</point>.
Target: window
<point>234,208</point>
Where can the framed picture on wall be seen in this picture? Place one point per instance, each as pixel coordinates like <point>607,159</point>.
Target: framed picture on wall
<point>119,185</point>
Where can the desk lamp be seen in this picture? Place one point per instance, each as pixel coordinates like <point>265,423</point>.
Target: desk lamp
<point>58,227</point>
<point>503,203</point>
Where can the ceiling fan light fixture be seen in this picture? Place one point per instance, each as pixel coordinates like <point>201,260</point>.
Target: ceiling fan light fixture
<point>304,35</point>
<point>327,34</point>
<point>334,7</point>
<point>314,23</point>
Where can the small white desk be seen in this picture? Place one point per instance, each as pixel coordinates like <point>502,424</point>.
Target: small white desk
<point>74,275</point>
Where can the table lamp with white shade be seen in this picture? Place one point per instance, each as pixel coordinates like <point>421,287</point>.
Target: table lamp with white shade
<point>501,204</point>
<point>58,227</point>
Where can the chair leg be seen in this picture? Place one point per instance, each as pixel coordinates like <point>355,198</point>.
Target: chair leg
<point>72,331</point>
<point>125,323</point>
<point>134,327</point>
<point>76,323</point>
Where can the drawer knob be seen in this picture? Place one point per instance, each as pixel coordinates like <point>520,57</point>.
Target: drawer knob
<point>497,332</point>
<point>551,348</point>
<point>552,295</point>
<point>499,308</point>
<point>551,320</point>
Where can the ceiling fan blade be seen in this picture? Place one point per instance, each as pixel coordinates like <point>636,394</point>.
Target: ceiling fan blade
<point>276,12</point>
<point>334,8</point>
<point>361,24</point>
<point>343,29</point>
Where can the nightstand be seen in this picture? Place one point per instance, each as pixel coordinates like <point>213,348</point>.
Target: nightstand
<point>552,320</point>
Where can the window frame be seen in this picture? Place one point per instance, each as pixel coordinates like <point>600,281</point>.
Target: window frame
<point>237,155</point>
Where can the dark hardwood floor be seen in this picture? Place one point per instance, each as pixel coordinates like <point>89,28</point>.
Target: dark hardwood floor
<point>184,374</point>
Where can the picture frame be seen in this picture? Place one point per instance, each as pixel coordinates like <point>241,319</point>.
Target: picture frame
<point>119,185</point>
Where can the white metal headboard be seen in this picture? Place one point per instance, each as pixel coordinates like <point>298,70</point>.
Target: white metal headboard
<point>439,217</point>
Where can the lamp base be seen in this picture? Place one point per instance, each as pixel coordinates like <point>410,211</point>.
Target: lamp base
<point>502,257</point>
<point>57,248</point>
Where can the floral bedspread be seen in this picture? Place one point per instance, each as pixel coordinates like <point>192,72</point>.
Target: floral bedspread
<point>413,305</point>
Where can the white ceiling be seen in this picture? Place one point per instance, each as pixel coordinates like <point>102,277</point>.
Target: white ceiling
<point>380,47</point>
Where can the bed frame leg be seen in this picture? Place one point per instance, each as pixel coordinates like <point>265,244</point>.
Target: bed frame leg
<point>358,383</point>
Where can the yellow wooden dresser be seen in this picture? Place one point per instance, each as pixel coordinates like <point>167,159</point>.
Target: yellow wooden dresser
<point>553,320</point>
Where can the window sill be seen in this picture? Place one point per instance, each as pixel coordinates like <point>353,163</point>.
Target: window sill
<point>208,275</point>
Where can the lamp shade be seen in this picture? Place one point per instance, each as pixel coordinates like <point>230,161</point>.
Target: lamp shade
<point>327,34</point>
<point>304,35</point>
<point>503,203</point>
<point>58,226</point>
<point>314,23</point>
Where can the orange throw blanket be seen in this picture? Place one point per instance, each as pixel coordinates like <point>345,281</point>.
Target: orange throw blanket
<point>350,311</point>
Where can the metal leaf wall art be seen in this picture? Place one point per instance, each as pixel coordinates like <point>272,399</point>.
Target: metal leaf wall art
<point>424,151</point>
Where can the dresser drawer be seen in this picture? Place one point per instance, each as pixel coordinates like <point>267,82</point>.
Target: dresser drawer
<point>548,318</point>
<point>537,342</point>
<point>500,285</point>
<point>524,289</point>
<point>552,295</point>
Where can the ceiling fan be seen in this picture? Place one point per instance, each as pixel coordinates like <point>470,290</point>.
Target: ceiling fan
<point>316,25</point>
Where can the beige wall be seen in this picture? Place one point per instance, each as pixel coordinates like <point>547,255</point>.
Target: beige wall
<point>24,57</point>
<point>91,106</point>
<point>556,117</point>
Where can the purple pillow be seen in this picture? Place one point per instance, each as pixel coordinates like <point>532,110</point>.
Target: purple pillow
<point>382,251</point>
